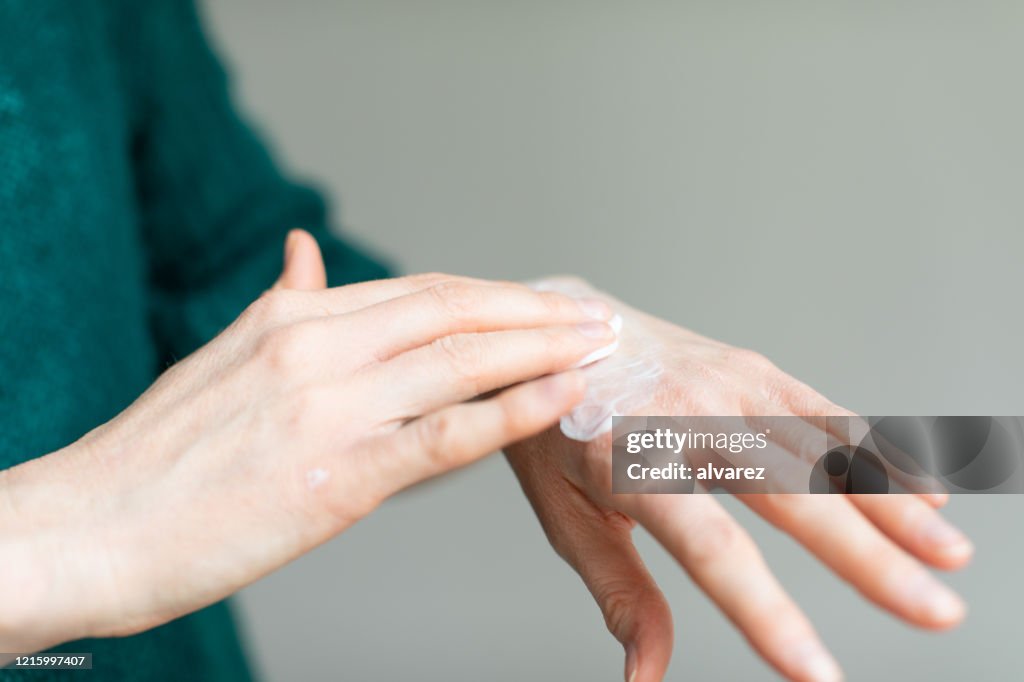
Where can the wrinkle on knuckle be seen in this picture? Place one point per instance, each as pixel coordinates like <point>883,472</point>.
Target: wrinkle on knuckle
<point>779,391</point>
<point>782,388</point>
<point>623,598</point>
<point>456,299</point>
<point>619,522</point>
<point>513,418</point>
<point>554,303</point>
<point>716,537</point>
<point>463,355</point>
<point>436,437</point>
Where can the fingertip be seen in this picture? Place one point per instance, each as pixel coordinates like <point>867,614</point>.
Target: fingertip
<point>811,661</point>
<point>948,612</point>
<point>649,652</point>
<point>954,557</point>
<point>289,243</point>
<point>930,604</point>
<point>938,500</point>
<point>944,545</point>
<point>948,618</point>
<point>631,663</point>
<point>304,263</point>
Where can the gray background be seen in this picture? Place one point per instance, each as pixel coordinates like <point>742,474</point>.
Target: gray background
<point>836,184</point>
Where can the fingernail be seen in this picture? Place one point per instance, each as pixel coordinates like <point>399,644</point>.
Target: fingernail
<point>595,330</point>
<point>947,537</point>
<point>631,663</point>
<point>599,354</point>
<point>813,662</point>
<point>934,600</point>
<point>289,246</point>
<point>595,308</point>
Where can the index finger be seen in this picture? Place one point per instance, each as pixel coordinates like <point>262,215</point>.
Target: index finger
<point>722,558</point>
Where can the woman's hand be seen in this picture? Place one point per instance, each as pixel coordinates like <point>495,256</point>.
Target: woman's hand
<point>877,543</point>
<point>294,423</point>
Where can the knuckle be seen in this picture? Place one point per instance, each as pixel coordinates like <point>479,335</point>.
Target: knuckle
<point>570,284</point>
<point>512,418</point>
<point>432,276</point>
<point>556,343</point>
<point>809,445</point>
<point>270,307</point>
<point>716,537</point>
<point>286,349</point>
<point>555,303</point>
<point>455,298</point>
<point>512,284</point>
<point>745,357</point>
<point>463,355</point>
<point>781,389</point>
<point>619,522</point>
<point>789,509</point>
<point>617,597</point>
<point>427,279</point>
<point>436,437</point>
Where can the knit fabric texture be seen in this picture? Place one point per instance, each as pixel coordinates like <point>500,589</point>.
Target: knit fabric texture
<point>139,215</point>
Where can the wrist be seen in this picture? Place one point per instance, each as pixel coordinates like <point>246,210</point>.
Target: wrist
<point>41,557</point>
<point>21,578</point>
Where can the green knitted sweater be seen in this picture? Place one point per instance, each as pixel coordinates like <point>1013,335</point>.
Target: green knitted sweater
<point>139,216</point>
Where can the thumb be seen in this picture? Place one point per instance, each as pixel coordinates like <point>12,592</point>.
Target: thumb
<point>633,606</point>
<point>303,263</point>
<point>598,544</point>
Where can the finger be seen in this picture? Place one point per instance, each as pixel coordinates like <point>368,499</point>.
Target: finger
<point>303,263</point>
<point>918,528</point>
<point>599,546</point>
<point>459,307</point>
<point>457,435</point>
<point>463,366</point>
<point>295,305</point>
<point>352,297</point>
<point>634,608</point>
<point>789,397</point>
<point>832,529</point>
<point>282,306</point>
<point>725,563</point>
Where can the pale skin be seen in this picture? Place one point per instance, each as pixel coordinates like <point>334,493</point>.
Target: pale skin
<point>293,424</point>
<point>879,544</point>
<point>317,404</point>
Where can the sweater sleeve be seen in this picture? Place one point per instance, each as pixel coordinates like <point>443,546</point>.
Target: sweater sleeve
<point>214,208</point>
